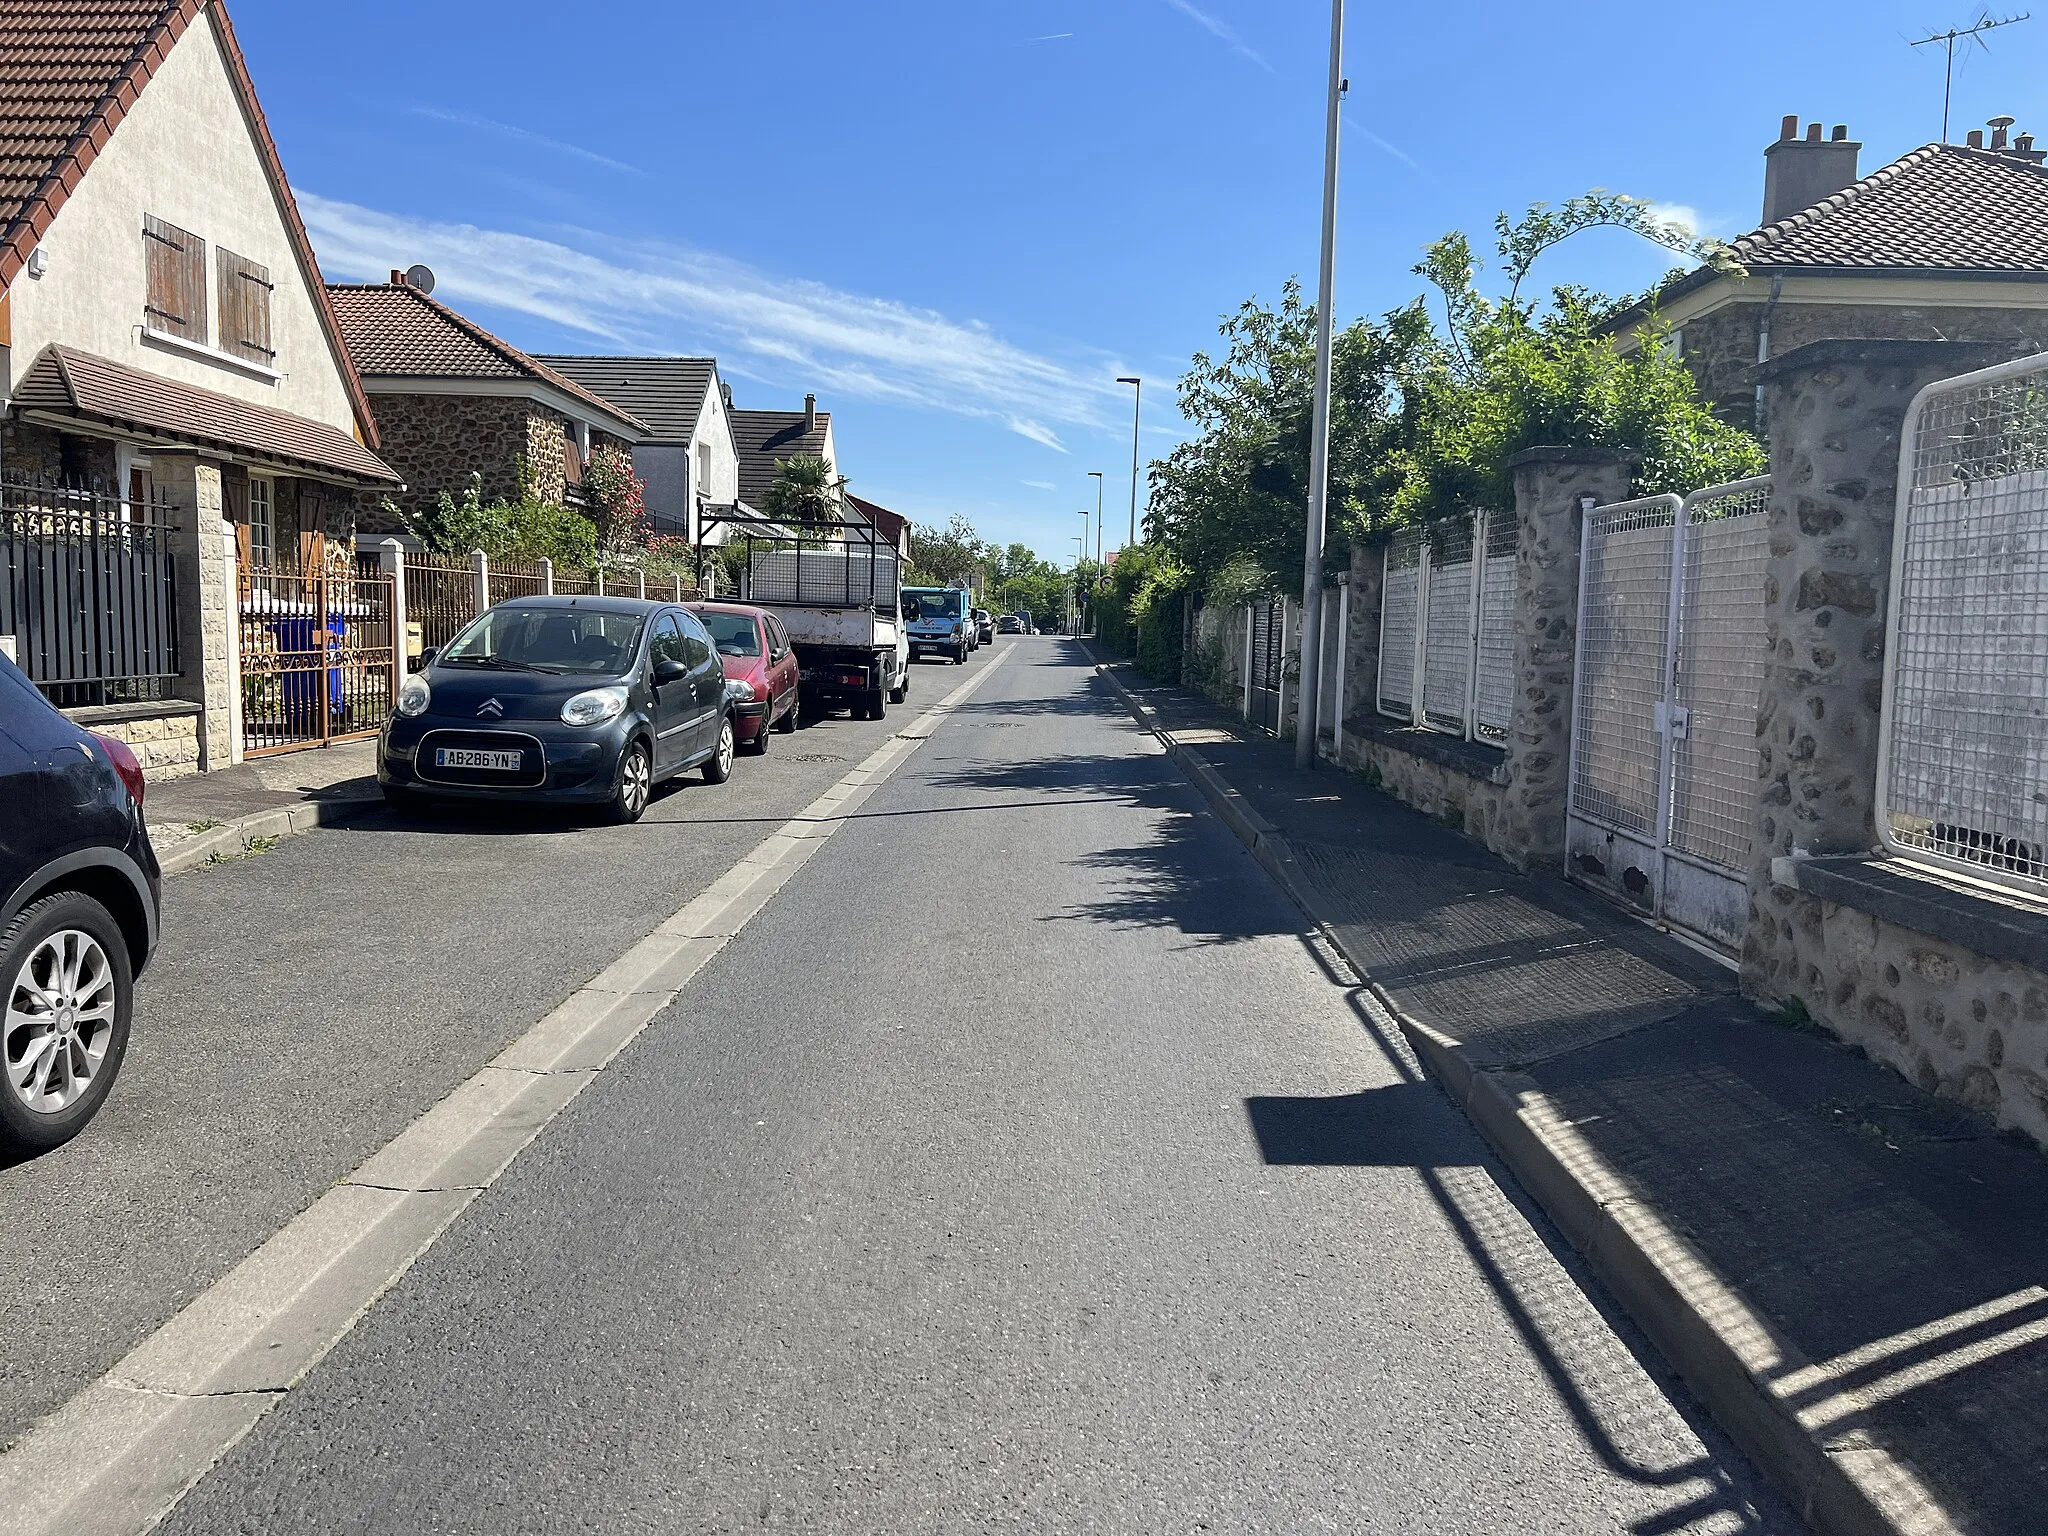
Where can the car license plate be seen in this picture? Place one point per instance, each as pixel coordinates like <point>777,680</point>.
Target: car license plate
<point>471,757</point>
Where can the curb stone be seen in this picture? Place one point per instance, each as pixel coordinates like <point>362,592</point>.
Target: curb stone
<point>236,837</point>
<point>1724,1348</point>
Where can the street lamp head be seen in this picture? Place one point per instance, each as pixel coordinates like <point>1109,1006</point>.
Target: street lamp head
<point>1122,380</point>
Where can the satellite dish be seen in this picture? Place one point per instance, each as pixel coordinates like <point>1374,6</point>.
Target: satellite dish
<point>420,276</point>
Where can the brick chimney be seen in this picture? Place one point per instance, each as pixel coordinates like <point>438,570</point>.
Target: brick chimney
<point>810,413</point>
<point>1799,172</point>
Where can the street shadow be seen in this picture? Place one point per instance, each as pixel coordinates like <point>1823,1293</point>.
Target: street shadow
<point>1409,1123</point>
<point>1401,1125</point>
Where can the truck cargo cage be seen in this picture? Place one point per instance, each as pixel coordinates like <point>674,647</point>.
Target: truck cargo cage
<point>807,562</point>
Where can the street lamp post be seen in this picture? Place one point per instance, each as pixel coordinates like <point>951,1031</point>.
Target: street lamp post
<point>1319,443</point>
<point>1080,599</point>
<point>1080,549</point>
<point>1096,476</point>
<point>1137,400</point>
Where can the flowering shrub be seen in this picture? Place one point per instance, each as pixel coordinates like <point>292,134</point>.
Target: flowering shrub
<point>619,497</point>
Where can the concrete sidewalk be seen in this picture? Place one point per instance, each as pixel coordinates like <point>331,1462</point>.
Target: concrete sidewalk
<point>1848,1272</point>
<point>211,816</point>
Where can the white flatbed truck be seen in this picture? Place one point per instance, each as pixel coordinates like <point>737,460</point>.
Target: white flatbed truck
<point>840,600</point>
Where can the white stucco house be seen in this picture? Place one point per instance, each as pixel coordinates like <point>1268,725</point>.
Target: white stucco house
<point>168,360</point>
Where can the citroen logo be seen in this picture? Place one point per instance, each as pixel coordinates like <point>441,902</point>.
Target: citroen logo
<point>490,709</point>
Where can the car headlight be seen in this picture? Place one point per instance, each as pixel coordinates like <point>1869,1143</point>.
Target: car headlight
<point>739,691</point>
<point>414,695</point>
<point>595,706</point>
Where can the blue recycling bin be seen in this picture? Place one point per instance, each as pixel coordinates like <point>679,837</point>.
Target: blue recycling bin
<point>303,635</point>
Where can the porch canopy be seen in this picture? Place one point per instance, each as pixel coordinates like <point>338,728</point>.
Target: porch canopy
<point>66,382</point>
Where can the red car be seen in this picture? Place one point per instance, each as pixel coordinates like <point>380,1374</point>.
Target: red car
<point>758,656</point>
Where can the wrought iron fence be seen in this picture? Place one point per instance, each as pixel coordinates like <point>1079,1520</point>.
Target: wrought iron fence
<point>89,591</point>
<point>440,597</point>
<point>1963,738</point>
<point>1447,626</point>
<point>319,658</point>
<point>510,579</point>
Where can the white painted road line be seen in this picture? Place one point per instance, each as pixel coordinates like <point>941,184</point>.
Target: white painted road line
<point>119,1455</point>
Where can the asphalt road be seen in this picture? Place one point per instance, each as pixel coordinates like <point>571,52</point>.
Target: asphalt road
<point>1021,1166</point>
<point>310,1002</point>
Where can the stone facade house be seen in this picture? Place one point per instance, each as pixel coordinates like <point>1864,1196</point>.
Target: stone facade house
<point>169,365</point>
<point>1948,243</point>
<point>453,400</point>
<point>688,458</point>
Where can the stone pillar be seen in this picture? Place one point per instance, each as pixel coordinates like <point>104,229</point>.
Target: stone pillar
<point>1837,410</point>
<point>1550,485</point>
<point>480,565</point>
<point>391,561</point>
<point>1362,645</point>
<point>203,556</point>
<point>1343,656</point>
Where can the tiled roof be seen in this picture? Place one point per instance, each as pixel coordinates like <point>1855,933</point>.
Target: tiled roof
<point>765,438</point>
<point>891,525</point>
<point>668,393</point>
<point>70,72</point>
<point>1943,208</point>
<point>396,332</point>
<point>73,383</point>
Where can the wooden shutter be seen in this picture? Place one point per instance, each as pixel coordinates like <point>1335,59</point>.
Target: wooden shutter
<point>244,307</point>
<point>175,260</point>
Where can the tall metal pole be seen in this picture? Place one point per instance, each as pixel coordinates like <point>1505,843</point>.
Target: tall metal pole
<point>1096,476</point>
<point>1319,444</point>
<point>1137,401</point>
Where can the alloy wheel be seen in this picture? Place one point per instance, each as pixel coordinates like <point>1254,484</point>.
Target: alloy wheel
<point>636,780</point>
<point>725,747</point>
<point>60,1018</point>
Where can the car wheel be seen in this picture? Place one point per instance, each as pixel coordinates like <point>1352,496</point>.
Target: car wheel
<point>635,784</point>
<point>758,747</point>
<point>902,689</point>
<point>718,766</point>
<point>63,1018</point>
<point>788,723</point>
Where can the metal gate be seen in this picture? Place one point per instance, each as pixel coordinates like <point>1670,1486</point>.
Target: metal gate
<point>1266,653</point>
<point>1671,655</point>
<point>318,660</point>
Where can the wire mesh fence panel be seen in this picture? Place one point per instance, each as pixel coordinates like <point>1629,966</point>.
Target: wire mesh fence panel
<point>1963,771</point>
<point>1624,628</point>
<point>1717,671</point>
<point>1400,613</point>
<point>509,579</point>
<point>575,581</point>
<point>440,597</point>
<point>858,576</point>
<point>1447,627</point>
<point>1494,709</point>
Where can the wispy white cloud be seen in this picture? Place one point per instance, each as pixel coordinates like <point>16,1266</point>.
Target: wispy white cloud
<point>522,135</point>
<point>1386,146</point>
<point>1221,29</point>
<point>1050,37</point>
<point>1039,485</point>
<point>644,296</point>
<point>1680,217</point>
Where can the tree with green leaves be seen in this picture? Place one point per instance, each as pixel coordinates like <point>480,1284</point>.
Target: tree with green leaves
<point>803,490</point>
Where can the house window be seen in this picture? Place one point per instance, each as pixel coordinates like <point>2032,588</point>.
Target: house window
<point>175,260</point>
<point>244,307</point>
<point>704,470</point>
<point>262,523</point>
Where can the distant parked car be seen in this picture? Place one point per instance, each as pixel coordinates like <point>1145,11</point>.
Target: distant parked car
<point>578,700</point>
<point>756,651</point>
<point>1009,624</point>
<point>984,626</point>
<point>78,915</point>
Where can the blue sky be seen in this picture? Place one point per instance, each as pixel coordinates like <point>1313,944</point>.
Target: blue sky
<point>959,220</point>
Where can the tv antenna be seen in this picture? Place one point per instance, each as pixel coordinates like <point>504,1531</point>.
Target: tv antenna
<point>1966,36</point>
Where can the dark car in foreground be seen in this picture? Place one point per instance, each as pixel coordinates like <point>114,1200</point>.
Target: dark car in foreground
<point>78,915</point>
<point>563,700</point>
<point>758,656</point>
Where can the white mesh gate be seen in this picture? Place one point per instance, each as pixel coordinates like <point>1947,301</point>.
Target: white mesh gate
<point>1962,775</point>
<point>1447,626</point>
<point>1671,655</point>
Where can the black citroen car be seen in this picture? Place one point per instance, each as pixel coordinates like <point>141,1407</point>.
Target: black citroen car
<point>580,700</point>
